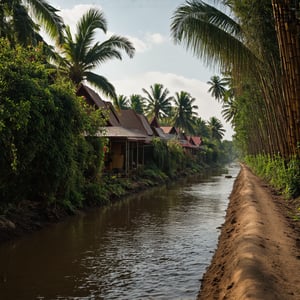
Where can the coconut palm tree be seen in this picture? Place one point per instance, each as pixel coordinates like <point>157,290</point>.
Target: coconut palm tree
<point>80,54</point>
<point>137,103</point>
<point>201,127</point>
<point>229,110</point>
<point>158,102</point>
<point>121,102</point>
<point>212,35</point>
<point>217,87</point>
<point>184,113</point>
<point>20,21</point>
<point>216,128</point>
<point>235,45</point>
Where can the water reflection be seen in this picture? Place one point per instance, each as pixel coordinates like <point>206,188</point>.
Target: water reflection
<point>155,245</point>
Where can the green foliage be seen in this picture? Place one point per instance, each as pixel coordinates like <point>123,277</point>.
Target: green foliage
<point>137,103</point>
<point>259,104</point>
<point>96,193</point>
<point>292,189</point>
<point>176,156</point>
<point>121,103</point>
<point>21,20</point>
<point>154,173</point>
<point>216,128</point>
<point>201,128</point>
<point>81,54</point>
<point>160,153</point>
<point>282,175</point>
<point>168,156</point>
<point>217,87</point>
<point>44,154</point>
<point>228,152</point>
<point>158,101</point>
<point>114,186</point>
<point>184,112</point>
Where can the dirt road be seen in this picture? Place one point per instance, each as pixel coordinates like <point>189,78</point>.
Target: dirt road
<point>258,255</point>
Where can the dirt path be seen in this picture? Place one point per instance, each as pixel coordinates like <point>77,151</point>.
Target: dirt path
<point>258,255</point>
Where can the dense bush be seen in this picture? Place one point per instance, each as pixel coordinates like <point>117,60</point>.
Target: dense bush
<point>168,156</point>
<point>283,175</point>
<point>44,155</point>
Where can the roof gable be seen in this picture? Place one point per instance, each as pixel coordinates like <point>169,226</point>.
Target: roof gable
<point>154,123</point>
<point>146,124</point>
<point>196,140</point>
<point>169,129</point>
<point>92,98</point>
<point>131,120</point>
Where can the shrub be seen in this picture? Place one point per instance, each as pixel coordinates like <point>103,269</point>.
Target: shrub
<point>282,175</point>
<point>44,154</point>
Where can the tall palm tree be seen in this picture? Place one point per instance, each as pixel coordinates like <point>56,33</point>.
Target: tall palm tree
<point>217,87</point>
<point>212,35</point>
<point>216,128</point>
<point>137,103</point>
<point>121,102</point>
<point>158,102</point>
<point>185,111</point>
<point>229,110</point>
<point>20,21</point>
<point>80,54</point>
<point>234,45</point>
<point>201,127</point>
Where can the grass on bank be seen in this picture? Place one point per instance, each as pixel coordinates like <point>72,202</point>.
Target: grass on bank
<point>282,175</point>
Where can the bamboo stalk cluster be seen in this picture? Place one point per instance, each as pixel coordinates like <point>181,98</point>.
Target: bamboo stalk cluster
<point>258,48</point>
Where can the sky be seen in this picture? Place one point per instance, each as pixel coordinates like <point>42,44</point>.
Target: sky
<point>146,23</point>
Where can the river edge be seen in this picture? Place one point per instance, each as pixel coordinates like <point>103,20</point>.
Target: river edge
<point>258,252</point>
<point>30,216</point>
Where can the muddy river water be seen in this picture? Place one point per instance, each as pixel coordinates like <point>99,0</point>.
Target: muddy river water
<point>155,245</point>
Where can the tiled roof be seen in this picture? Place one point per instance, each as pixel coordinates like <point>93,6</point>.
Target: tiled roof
<point>123,124</point>
<point>146,124</point>
<point>94,99</point>
<point>131,120</point>
<point>154,123</point>
<point>196,140</point>
<point>119,132</point>
<point>166,129</point>
<point>159,132</point>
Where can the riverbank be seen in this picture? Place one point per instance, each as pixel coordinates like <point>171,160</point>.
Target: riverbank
<point>30,216</point>
<point>258,253</point>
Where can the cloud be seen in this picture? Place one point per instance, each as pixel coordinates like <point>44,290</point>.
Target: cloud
<point>143,44</point>
<point>207,106</point>
<point>139,44</point>
<point>147,42</point>
<point>72,15</point>
<point>155,38</point>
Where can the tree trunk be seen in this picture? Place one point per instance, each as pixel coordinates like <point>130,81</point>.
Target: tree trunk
<point>287,23</point>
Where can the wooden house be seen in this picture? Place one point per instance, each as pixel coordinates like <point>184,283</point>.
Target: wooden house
<point>128,133</point>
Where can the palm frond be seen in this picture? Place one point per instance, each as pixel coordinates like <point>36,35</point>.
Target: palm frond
<point>48,17</point>
<point>99,54</point>
<point>137,103</point>
<point>101,83</point>
<point>211,35</point>
<point>121,102</point>
<point>159,104</point>
<point>121,43</point>
<point>23,26</point>
<point>86,29</point>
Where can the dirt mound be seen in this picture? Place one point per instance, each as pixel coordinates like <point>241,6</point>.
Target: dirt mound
<point>258,254</point>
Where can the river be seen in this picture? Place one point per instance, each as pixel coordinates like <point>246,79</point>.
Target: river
<point>154,245</point>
